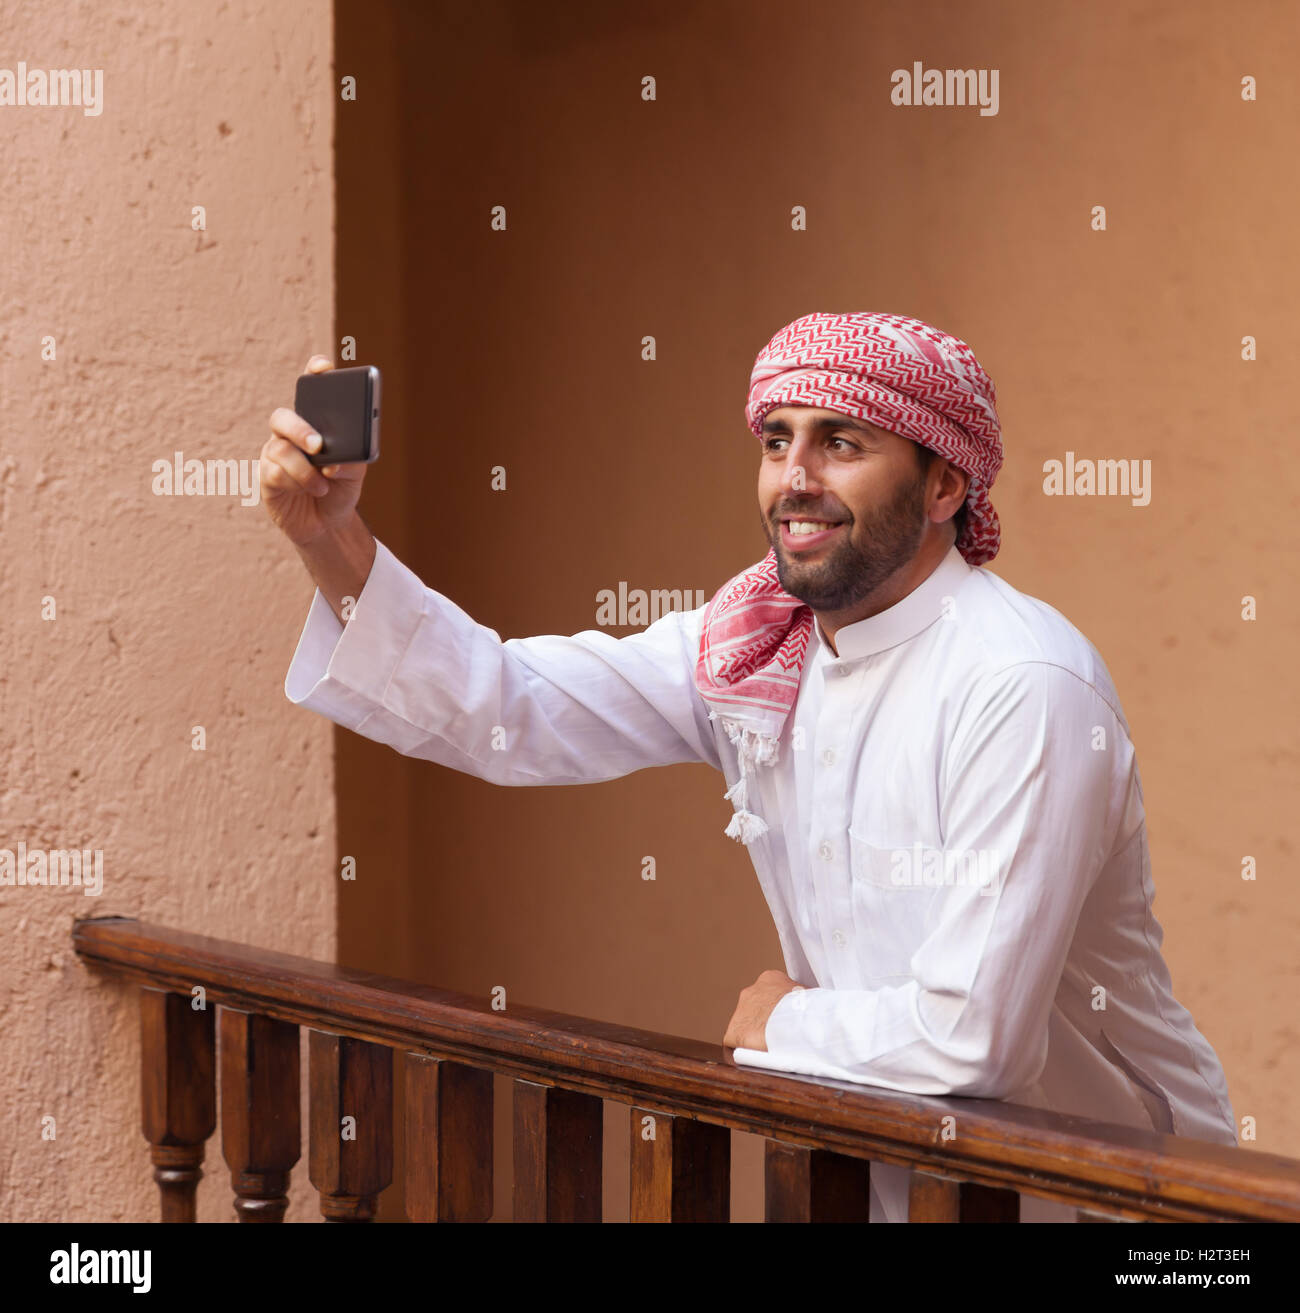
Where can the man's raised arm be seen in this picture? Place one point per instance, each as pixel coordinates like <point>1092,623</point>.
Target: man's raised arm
<point>404,665</point>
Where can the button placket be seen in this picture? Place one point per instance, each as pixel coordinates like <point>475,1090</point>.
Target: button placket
<point>834,911</point>
<point>830,865</point>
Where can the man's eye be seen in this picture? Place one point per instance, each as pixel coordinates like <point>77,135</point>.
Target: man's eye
<point>769,444</point>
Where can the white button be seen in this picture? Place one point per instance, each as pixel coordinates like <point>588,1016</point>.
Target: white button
<point>825,852</point>
<point>838,938</point>
<point>828,756</point>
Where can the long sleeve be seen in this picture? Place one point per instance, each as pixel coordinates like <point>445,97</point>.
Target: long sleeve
<point>1025,784</point>
<point>411,669</point>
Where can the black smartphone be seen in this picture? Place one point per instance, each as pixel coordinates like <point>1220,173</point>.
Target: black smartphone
<point>342,405</point>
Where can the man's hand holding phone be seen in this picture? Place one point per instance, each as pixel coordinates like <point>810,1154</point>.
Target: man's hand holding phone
<point>316,508</point>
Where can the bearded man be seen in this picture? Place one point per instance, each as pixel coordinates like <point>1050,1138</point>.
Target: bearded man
<point>931,770</point>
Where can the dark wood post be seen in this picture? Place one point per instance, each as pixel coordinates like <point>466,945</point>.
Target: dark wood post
<point>558,1138</point>
<point>680,1169</point>
<point>448,1151</point>
<point>350,1158</point>
<point>261,1118</point>
<point>934,1198</point>
<point>179,1094</point>
<point>815,1185</point>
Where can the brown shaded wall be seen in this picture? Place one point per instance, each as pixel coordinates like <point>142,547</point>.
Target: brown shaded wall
<point>672,218</point>
<point>168,612</point>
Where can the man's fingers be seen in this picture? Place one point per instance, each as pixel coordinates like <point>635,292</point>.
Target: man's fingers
<point>319,364</point>
<point>302,474</point>
<point>291,426</point>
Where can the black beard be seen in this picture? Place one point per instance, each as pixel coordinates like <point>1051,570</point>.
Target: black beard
<point>886,540</point>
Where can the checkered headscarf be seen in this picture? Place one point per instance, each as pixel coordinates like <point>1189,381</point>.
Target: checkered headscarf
<point>900,374</point>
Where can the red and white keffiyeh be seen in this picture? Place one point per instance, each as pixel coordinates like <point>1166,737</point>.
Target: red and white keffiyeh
<point>903,375</point>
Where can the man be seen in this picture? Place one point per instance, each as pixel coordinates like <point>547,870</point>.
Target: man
<point>931,770</point>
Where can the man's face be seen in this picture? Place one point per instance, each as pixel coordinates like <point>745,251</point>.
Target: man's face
<point>820,465</point>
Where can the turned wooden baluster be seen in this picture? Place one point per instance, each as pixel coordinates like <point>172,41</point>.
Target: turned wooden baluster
<point>448,1151</point>
<point>934,1198</point>
<point>680,1169</point>
<point>261,1121</point>
<point>179,1095</point>
<point>815,1185</point>
<point>557,1151</point>
<point>349,1163</point>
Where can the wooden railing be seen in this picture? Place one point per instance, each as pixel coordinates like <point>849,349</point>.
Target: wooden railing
<point>365,1031</point>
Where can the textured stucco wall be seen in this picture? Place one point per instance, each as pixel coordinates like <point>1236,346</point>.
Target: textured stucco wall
<point>170,612</point>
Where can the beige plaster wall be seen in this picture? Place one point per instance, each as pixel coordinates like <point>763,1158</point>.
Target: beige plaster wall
<point>170,612</point>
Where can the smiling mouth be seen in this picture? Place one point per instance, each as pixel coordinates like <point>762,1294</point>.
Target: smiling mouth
<point>797,528</point>
<point>804,537</point>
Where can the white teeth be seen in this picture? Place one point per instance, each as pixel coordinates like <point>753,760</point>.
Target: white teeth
<point>808,526</point>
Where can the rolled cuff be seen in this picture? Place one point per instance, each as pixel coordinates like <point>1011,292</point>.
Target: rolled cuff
<point>788,1048</point>
<point>341,671</point>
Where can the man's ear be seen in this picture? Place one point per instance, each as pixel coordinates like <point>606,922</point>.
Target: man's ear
<point>963,480</point>
<point>948,475</point>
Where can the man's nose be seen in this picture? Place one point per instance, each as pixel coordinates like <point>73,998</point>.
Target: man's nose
<point>800,473</point>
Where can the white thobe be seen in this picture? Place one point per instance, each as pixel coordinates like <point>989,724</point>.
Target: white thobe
<point>956,859</point>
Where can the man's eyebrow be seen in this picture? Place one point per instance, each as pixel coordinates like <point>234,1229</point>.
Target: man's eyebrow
<point>821,422</point>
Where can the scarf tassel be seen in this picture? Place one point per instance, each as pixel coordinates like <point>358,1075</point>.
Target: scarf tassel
<point>752,748</point>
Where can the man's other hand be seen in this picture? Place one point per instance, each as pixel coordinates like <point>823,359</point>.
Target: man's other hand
<point>748,1025</point>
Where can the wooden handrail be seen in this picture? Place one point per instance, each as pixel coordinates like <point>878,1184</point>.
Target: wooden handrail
<point>821,1133</point>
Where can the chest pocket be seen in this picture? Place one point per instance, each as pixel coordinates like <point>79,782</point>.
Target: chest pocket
<point>893,910</point>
